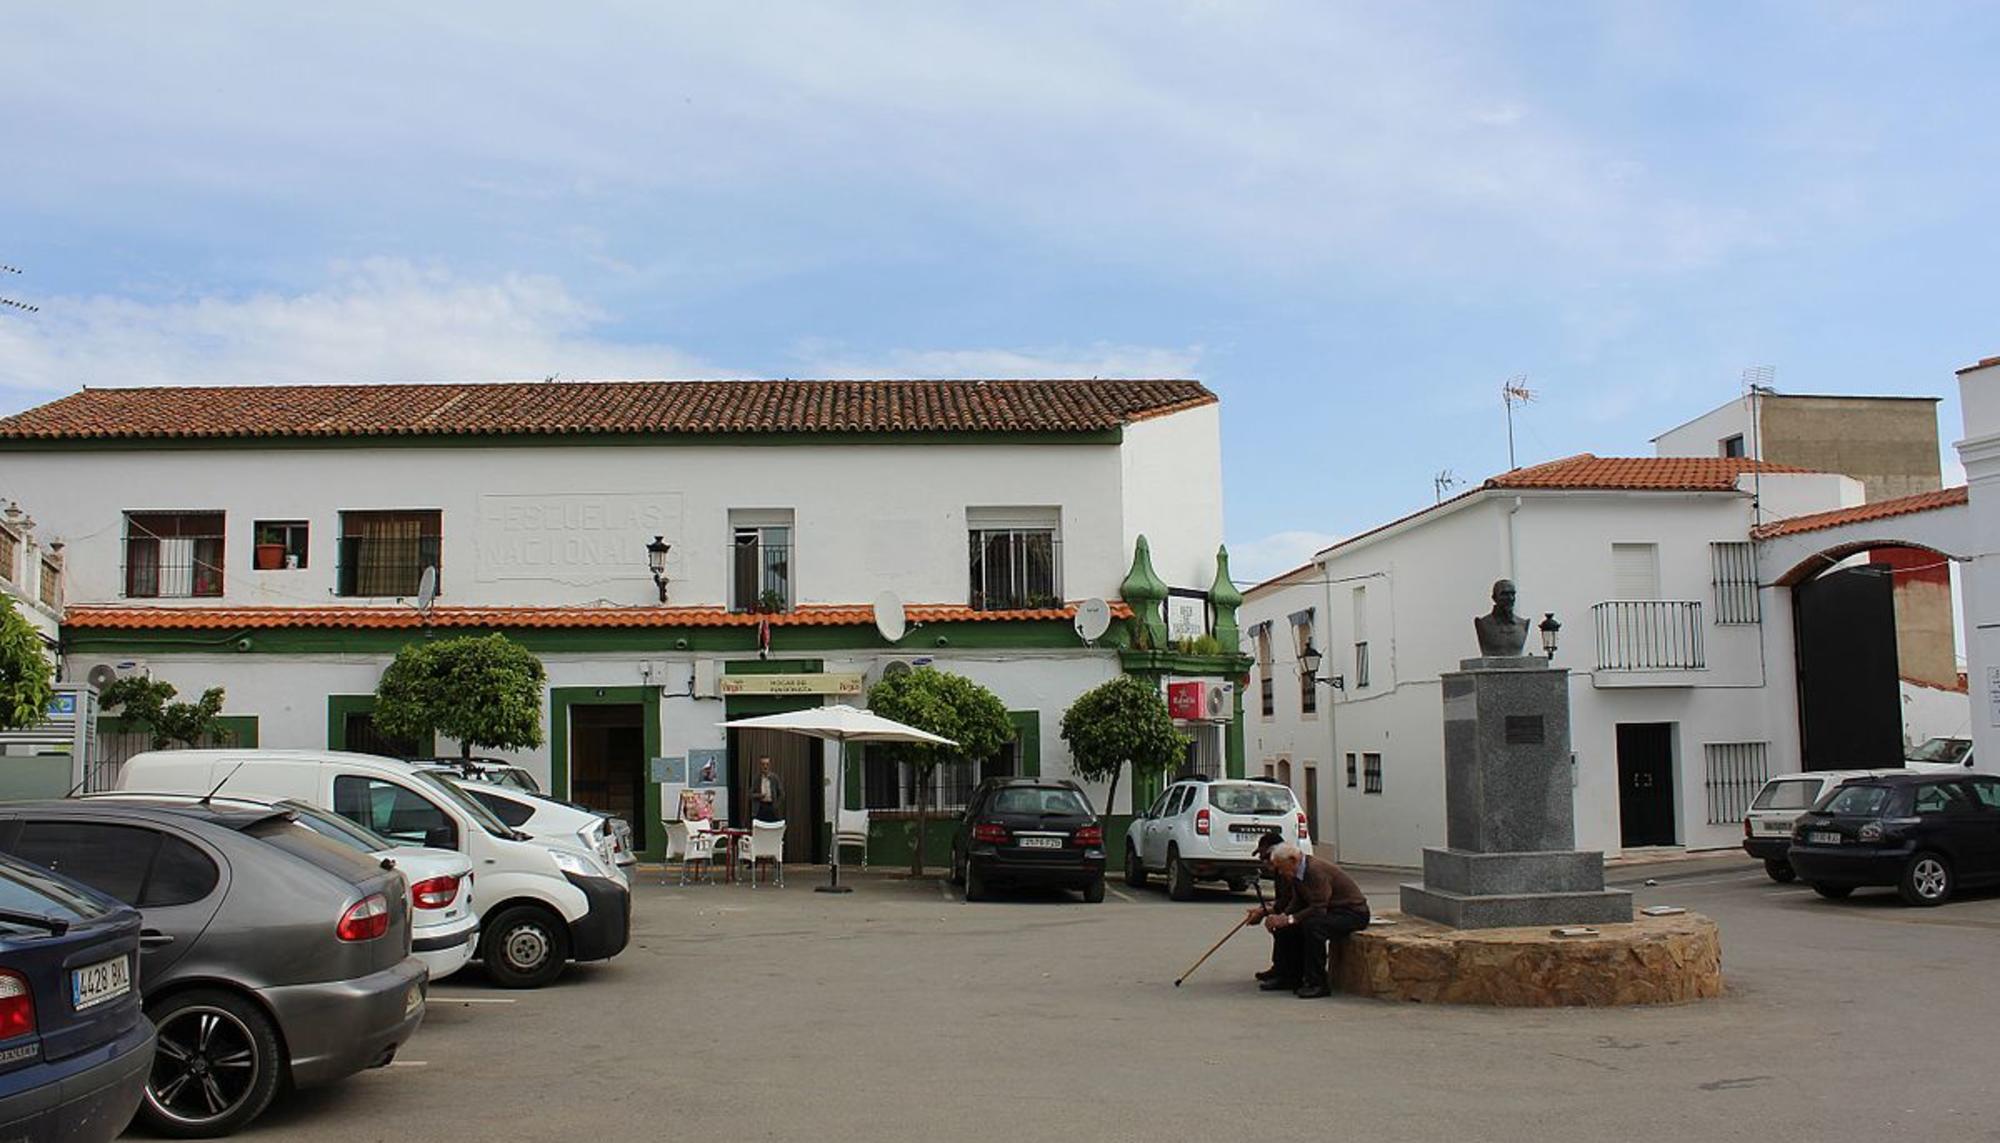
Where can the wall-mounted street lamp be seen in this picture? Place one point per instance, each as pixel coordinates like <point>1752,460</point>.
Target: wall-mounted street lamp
<point>1549,627</point>
<point>1309,661</point>
<point>656,559</point>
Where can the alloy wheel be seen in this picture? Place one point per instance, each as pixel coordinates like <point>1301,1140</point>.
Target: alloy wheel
<point>204,1067</point>
<point>1930,878</point>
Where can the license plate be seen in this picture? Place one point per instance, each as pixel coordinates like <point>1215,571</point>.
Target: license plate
<point>97,983</point>
<point>1823,837</point>
<point>1777,827</point>
<point>1040,843</point>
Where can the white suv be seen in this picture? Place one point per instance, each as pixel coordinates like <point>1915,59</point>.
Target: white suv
<point>1202,830</point>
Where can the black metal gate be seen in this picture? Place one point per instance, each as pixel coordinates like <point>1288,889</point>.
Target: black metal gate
<point>1850,703</point>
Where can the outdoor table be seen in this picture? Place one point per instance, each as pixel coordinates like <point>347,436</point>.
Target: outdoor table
<point>734,838</point>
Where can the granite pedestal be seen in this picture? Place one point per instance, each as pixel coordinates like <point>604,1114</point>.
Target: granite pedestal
<point>1510,827</point>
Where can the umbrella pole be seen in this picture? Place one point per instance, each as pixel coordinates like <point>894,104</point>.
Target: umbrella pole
<point>833,884</point>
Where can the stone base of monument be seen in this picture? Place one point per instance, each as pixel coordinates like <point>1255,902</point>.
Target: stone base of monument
<point>1651,960</point>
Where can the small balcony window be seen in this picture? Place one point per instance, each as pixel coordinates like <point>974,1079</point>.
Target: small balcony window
<point>384,554</point>
<point>281,544</point>
<point>10,554</point>
<point>50,588</point>
<point>760,567</point>
<point>173,555</point>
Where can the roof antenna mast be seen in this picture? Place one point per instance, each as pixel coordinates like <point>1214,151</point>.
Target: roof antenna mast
<point>1756,386</point>
<point>1514,391</point>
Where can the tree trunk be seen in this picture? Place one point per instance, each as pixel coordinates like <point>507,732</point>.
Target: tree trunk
<point>923,819</point>
<point>1111,797</point>
<point>465,750</point>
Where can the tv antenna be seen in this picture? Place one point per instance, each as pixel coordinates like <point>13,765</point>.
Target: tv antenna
<point>1443,482</point>
<point>10,302</point>
<point>1756,385</point>
<point>1514,391</point>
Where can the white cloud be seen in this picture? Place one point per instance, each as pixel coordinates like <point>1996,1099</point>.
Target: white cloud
<point>382,320</point>
<point>1262,558</point>
<point>818,359</point>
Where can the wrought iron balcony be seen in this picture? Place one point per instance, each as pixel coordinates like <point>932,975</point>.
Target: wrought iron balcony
<point>1649,635</point>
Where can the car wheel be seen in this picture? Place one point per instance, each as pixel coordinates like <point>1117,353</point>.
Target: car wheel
<point>1833,892</point>
<point>1093,893</point>
<point>1926,880</point>
<point>524,947</point>
<point>975,883</point>
<point>1135,870</point>
<point>957,868</point>
<point>1180,881</point>
<point>215,1068</point>
<point>1780,871</point>
<point>1238,884</point>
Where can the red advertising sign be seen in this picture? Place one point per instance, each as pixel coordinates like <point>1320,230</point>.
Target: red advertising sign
<point>1184,701</point>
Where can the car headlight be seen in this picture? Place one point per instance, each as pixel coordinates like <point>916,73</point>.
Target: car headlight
<point>581,864</point>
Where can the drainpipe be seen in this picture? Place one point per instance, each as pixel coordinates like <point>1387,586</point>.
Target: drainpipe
<point>1513,543</point>
<point>1332,768</point>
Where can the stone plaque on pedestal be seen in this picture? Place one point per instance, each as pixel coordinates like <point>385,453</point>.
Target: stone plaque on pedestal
<point>1510,827</point>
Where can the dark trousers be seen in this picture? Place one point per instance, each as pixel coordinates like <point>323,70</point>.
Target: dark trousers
<point>1298,951</point>
<point>766,812</point>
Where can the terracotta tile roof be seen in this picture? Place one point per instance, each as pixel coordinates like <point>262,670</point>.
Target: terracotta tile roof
<point>579,407</point>
<point>1642,473</point>
<point>106,617</point>
<point>1980,364</point>
<point>1863,513</point>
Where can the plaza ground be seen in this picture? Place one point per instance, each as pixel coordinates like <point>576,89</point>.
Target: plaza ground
<point>900,1012</point>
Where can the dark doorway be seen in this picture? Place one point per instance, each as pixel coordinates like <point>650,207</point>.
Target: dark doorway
<point>362,737</point>
<point>607,763</point>
<point>1646,783</point>
<point>1850,701</point>
<point>795,759</point>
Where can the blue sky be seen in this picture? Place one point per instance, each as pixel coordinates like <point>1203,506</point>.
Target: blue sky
<point>1354,222</point>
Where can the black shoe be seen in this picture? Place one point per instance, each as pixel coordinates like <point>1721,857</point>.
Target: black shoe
<point>1268,974</point>
<point>1313,992</point>
<point>1275,985</point>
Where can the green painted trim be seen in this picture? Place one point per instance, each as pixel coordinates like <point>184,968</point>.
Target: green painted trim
<point>242,726</point>
<point>1028,732</point>
<point>772,667</point>
<point>1226,666</point>
<point>1233,740</point>
<point>1000,634</point>
<point>338,707</point>
<point>647,699</point>
<point>293,444</point>
<point>852,790</point>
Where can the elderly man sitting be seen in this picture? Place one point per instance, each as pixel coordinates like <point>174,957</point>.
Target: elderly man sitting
<point>1316,902</point>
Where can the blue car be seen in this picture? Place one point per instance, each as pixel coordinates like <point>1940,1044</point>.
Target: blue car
<point>75,1045</point>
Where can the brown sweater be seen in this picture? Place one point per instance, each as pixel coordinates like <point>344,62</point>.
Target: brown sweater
<point>1325,887</point>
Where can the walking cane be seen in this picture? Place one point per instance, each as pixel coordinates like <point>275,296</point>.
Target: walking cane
<point>1240,925</point>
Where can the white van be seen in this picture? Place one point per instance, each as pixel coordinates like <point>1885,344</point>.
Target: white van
<point>541,904</point>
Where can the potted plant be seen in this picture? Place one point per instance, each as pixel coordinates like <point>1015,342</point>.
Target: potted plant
<point>771,602</point>
<point>270,551</point>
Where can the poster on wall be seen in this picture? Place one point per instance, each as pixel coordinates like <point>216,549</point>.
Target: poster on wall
<point>671,771</point>
<point>1187,614</point>
<point>708,769</point>
<point>699,805</point>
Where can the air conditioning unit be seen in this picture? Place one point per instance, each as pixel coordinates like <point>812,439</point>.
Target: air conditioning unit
<point>889,668</point>
<point>104,674</point>
<point>1218,701</point>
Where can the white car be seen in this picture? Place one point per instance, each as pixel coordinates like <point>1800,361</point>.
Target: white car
<point>444,923</point>
<point>1202,830</point>
<point>546,819</point>
<point>1767,825</point>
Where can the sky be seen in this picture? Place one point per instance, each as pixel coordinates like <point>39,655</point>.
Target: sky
<point>1354,222</point>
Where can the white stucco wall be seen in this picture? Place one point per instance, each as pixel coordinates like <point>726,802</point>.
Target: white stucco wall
<point>1704,435</point>
<point>1171,486</point>
<point>1979,451</point>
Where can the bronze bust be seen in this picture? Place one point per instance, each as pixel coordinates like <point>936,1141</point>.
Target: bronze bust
<point>1502,634</point>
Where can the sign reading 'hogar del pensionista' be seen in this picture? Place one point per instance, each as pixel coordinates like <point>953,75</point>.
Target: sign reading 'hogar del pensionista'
<point>574,537</point>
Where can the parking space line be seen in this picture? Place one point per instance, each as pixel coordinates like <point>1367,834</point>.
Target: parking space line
<point>1123,896</point>
<point>409,1063</point>
<point>441,999</point>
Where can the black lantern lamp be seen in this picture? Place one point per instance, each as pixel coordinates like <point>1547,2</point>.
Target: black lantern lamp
<point>1549,627</point>
<point>656,559</point>
<point>1309,661</point>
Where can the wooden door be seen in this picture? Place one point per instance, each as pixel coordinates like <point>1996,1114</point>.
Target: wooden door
<point>795,759</point>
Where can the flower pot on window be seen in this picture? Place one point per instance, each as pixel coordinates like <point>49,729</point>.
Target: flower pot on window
<point>270,557</point>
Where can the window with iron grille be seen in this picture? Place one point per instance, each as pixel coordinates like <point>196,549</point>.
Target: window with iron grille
<point>1736,771</point>
<point>173,555</point>
<point>1267,701</point>
<point>1350,775</point>
<point>1735,583</point>
<point>760,571</point>
<point>1371,773</point>
<point>385,553</point>
<point>1308,694</point>
<point>887,784</point>
<point>1014,569</point>
<point>50,588</point>
<point>1360,665</point>
<point>10,554</point>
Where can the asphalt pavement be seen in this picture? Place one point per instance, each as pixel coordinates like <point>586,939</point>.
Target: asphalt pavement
<point>901,1012</point>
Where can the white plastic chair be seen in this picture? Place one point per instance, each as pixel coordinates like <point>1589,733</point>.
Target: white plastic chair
<point>702,842</point>
<point>765,843</point>
<point>677,847</point>
<point>850,828</point>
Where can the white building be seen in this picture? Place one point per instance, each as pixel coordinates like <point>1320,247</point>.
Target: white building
<point>274,540</point>
<point>1979,450</point>
<point>31,570</point>
<point>1677,639</point>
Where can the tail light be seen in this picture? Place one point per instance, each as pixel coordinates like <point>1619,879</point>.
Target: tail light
<point>17,1006</point>
<point>1201,821</point>
<point>1746,827</point>
<point>1088,835</point>
<point>365,919</point>
<point>1305,831</point>
<point>435,892</point>
<point>990,832</point>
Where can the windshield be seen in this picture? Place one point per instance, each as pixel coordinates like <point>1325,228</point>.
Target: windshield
<point>1251,798</point>
<point>1859,801</point>
<point>337,828</point>
<point>457,797</point>
<point>1948,750</point>
<point>514,777</point>
<point>1039,800</point>
<point>1787,794</point>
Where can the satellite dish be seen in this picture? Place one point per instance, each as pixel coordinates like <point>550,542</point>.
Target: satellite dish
<point>890,622</point>
<point>1093,619</point>
<point>427,591</point>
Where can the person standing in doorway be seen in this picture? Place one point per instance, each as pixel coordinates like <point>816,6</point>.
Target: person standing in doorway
<point>768,794</point>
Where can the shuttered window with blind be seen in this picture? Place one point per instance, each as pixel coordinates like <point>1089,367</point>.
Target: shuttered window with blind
<point>1635,571</point>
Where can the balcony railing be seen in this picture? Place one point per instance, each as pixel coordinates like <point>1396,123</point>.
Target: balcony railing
<point>1649,635</point>
<point>379,567</point>
<point>1015,569</point>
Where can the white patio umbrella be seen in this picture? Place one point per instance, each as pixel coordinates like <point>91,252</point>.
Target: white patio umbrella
<point>843,724</point>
